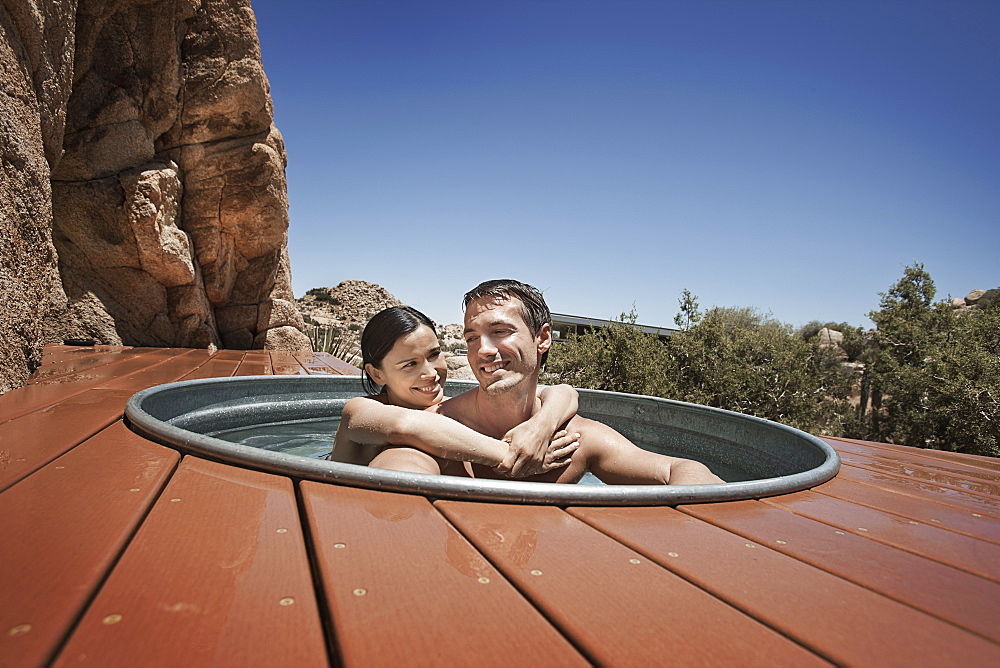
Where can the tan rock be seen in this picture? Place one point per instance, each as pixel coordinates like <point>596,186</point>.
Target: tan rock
<point>282,338</point>
<point>974,296</point>
<point>152,196</point>
<point>142,182</point>
<point>278,313</point>
<point>458,367</point>
<point>240,339</point>
<point>830,337</point>
<point>33,70</point>
<point>240,316</point>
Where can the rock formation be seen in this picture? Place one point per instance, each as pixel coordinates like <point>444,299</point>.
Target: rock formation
<point>338,315</point>
<point>142,187</point>
<point>347,305</point>
<point>976,300</point>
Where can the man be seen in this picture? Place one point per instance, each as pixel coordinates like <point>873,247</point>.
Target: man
<point>508,332</point>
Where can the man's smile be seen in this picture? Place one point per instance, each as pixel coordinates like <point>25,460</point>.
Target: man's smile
<point>495,366</point>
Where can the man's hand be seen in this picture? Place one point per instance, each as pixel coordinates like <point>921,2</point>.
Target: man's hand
<point>529,455</point>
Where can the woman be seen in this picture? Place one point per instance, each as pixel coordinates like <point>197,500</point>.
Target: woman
<point>404,373</point>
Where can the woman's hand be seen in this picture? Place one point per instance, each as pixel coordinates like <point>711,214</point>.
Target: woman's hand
<point>557,453</point>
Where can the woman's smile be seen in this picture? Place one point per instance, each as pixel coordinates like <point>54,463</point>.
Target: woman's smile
<point>414,371</point>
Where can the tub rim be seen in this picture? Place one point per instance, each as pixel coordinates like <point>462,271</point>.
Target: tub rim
<point>450,487</point>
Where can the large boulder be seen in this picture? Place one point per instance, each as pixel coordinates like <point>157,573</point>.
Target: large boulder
<point>142,186</point>
<point>36,67</point>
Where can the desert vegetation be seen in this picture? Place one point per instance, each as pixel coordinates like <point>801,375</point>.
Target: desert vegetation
<point>928,375</point>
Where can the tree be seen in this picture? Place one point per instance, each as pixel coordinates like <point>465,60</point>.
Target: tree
<point>689,314</point>
<point>740,360</point>
<point>935,375</point>
<point>618,358</point>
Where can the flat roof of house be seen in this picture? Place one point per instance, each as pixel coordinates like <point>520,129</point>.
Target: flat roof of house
<point>583,321</point>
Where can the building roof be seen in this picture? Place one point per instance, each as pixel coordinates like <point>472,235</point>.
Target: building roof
<point>583,321</point>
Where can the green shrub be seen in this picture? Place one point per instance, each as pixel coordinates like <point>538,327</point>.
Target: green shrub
<point>934,374</point>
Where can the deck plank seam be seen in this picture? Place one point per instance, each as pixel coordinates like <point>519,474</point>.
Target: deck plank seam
<point>890,486</point>
<point>662,563</point>
<point>58,647</point>
<point>333,649</point>
<point>749,536</point>
<point>56,455</point>
<point>567,636</point>
<point>912,517</point>
<point>43,380</point>
<point>71,392</point>
<point>928,464</point>
<point>878,539</point>
<point>988,497</point>
<point>991,464</point>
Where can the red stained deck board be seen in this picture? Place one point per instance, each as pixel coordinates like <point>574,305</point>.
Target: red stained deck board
<point>31,441</point>
<point>48,392</point>
<point>975,503</point>
<point>844,622</point>
<point>338,365</point>
<point>284,364</point>
<point>964,468</point>
<point>913,508</point>
<point>954,595</point>
<point>255,363</point>
<point>938,543</point>
<point>915,471</point>
<point>619,607</point>
<point>76,360</point>
<point>174,368</point>
<point>214,368</point>
<point>405,588</point>
<point>988,463</point>
<point>63,528</point>
<point>217,574</point>
<point>325,364</point>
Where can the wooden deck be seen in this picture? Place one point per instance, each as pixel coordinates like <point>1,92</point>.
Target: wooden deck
<point>119,551</point>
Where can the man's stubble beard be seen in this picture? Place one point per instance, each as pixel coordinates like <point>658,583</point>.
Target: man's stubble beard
<point>507,385</point>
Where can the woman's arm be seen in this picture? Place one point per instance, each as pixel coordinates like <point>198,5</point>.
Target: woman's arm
<point>366,424</point>
<point>530,440</point>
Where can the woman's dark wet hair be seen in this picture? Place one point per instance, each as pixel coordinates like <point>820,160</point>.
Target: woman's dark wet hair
<point>380,335</point>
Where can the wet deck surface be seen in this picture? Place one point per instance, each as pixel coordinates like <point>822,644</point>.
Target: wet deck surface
<point>117,550</point>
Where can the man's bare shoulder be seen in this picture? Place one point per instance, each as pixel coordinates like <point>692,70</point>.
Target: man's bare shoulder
<point>456,407</point>
<point>594,430</point>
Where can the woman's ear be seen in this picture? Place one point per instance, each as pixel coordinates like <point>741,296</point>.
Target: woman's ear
<point>374,374</point>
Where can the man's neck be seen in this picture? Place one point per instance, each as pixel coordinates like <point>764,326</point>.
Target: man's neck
<point>499,413</point>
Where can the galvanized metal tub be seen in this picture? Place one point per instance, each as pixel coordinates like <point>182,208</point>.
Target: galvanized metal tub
<point>757,457</point>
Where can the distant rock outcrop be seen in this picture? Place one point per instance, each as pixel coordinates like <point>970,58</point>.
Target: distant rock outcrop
<point>344,310</point>
<point>347,305</point>
<point>142,187</point>
<point>976,300</point>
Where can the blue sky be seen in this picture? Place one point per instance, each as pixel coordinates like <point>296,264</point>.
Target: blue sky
<point>790,156</point>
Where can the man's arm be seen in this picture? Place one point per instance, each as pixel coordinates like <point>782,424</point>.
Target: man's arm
<point>531,440</point>
<point>617,461</point>
<point>366,422</point>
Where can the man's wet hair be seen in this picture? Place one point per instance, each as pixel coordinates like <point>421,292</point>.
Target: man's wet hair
<point>380,335</point>
<point>534,310</point>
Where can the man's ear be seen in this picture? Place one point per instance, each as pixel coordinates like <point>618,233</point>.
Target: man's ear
<point>544,338</point>
<point>375,374</point>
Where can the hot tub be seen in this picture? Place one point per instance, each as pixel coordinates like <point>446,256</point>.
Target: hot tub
<point>756,457</point>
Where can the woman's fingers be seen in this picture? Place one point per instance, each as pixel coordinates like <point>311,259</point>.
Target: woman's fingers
<point>561,449</point>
